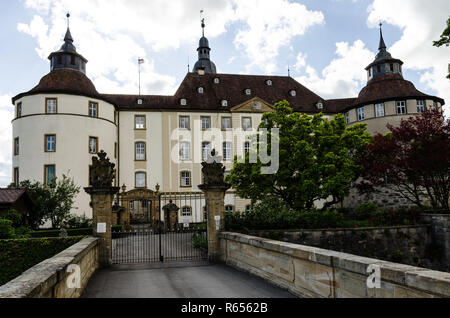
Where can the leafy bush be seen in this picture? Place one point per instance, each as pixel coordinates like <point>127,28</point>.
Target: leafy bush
<point>200,240</point>
<point>16,256</point>
<point>78,222</point>
<point>14,216</point>
<point>364,211</point>
<point>271,214</point>
<point>71,232</point>
<point>6,229</point>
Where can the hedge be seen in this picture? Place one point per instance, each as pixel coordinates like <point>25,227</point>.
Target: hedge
<point>70,232</point>
<point>16,256</point>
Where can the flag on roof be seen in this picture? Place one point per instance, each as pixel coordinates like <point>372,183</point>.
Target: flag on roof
<point>141,61</point>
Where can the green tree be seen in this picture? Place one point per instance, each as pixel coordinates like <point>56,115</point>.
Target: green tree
<point>444,40</point>
<point>317,160</point>
<point>52,202</point>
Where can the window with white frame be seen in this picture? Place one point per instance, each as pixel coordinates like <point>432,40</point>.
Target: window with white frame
<point>293,93</point>
<point>227,151</point>
<point>246,147</point>
<point>379,110</point>
<point>246,123</point>
<point>183,102</point>
<point>185,179</point>
<point>185,122</point>
<point>226,123</point>
<point>140,151</point>
<point>347,117</point>
<point>139,122</point>
<point>186,211</point>
<point>206,123</point>
<point>224,103</point>
<point>216,80</point>
<point>206,150</point>
<point>420,106</point>
<point>229,208</point>
<point>51,105</point>
<point>401,107</point>
<point>141,181</point>
<point>50,143</point>
<point>200,90</point>
<point>269,82</point>
<point>93,145</point>
<point>248,91</point>
<point>93,109</point>
<point>361,114</point>
<point>185,150</point>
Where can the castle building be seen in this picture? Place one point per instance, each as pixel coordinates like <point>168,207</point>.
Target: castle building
<point>64,121</point>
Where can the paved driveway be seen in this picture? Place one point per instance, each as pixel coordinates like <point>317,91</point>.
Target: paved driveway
<point>178,280</point>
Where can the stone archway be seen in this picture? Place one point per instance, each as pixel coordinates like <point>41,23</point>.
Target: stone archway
<point>140,206</point>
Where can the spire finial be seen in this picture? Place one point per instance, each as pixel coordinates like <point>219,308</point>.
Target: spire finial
<point>382,45</point>
<point>68,19</point>
<point>203,22</point>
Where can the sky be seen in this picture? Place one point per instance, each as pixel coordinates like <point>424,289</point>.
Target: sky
<point>325,43</point>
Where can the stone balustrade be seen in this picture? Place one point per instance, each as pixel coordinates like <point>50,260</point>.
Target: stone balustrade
<point>313,272</point>
<point>52,278</point>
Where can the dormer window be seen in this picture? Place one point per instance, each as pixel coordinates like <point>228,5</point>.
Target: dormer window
<point>269,83</point>
<point>224,103</point>
<point>319,105</point>
<point>200,90</point>
<point>293,93</point>
<point>216,80</point>
<point>183,102</point>
<point>248,91</point>
<point>139,101</point>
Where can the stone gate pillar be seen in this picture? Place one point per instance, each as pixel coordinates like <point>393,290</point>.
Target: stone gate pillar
<point>102,195</point>
<point>214,188</point>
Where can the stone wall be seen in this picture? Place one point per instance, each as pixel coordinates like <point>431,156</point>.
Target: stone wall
<point>313,272</point>
<point>410,245</point>
<point>440,235</point>
<point>48,279</point>
<point>382,197</point>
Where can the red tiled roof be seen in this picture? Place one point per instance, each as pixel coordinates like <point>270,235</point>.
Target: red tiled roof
<point>390,87</point>
<point>64,81</point>
<point>11,195</point>
<point>231,88</point>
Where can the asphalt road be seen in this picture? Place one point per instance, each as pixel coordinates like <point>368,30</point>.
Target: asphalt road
<point>178,280</point>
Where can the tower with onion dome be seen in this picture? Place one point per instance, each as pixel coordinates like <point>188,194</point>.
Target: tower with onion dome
<point>61,123</point>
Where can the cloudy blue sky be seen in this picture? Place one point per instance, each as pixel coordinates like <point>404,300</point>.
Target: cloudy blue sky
<point>327,44</point>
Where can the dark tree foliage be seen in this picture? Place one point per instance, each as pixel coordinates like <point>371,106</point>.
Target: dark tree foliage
<point>413,160</point>
<point>444,40</point>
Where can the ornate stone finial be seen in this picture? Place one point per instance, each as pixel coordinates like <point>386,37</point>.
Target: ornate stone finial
<point>213,171</point>
<point>157,187</point>
<point>102,171</point>
<point>124,188</point>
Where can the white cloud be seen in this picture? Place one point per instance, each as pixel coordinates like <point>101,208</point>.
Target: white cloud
<point>300,61</point>
<point>421,23</point>
<point>270,26</point>
<point>113,34</point>
<point>6,115</point>
<point>344,76</point>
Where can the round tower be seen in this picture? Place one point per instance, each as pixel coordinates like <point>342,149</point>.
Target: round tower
<point>388,97</point>
<point>61,124</point>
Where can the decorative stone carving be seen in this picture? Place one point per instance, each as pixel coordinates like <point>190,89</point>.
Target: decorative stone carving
<point>213,171</point>
<point>102,173</point>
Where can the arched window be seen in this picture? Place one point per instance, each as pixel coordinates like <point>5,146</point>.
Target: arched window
<point>293,93</point>
<point>216,80</point>
<point>269,82</point>
<point>224,103</point>
<point>183,102</point>
<point>248,91</point>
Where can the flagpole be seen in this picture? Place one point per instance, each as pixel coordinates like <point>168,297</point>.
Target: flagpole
<point>139,64</point>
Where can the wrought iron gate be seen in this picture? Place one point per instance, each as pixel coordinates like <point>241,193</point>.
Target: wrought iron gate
<point>154,232</point>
